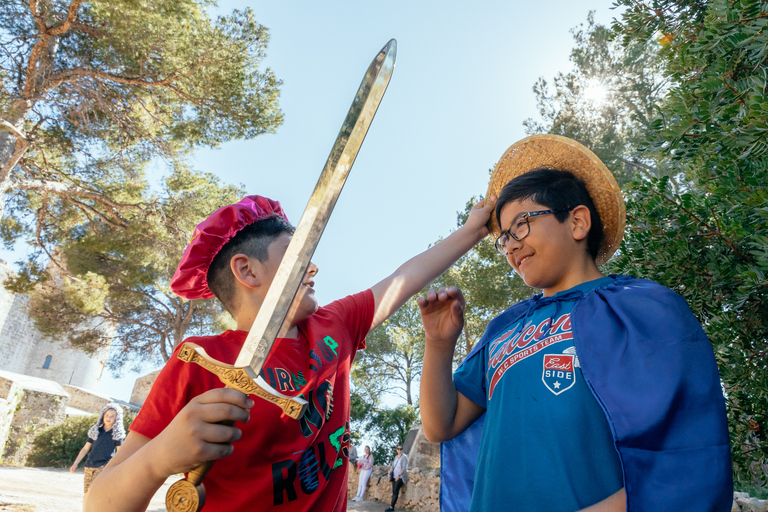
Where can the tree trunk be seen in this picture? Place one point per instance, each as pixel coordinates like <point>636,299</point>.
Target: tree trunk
<point>408,392</point>
<point>13,142</point>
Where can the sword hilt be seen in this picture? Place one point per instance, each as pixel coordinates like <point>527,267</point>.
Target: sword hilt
<point>188,494</point>
<point>243,380</point>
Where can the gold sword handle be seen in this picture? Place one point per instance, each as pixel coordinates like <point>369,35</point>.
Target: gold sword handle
<point>238,378</point>
<point>188,494</point>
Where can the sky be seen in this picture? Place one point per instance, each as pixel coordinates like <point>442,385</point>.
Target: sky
<point>460,91</point>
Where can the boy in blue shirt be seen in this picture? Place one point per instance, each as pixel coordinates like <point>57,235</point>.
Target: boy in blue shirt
<point>600,394</point>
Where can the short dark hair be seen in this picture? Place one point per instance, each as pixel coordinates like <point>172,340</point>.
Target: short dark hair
<point>557,190</point>
<point>254,241</point>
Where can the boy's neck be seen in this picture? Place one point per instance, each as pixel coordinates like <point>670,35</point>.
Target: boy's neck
<point>250,305</point>
<point>288,330</point>
<point>585,273</point>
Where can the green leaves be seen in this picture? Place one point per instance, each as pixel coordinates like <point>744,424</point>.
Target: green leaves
<point>125,85</point>
<point>704,232</point>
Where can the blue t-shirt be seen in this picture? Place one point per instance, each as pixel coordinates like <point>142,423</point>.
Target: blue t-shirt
<point>546,443</point>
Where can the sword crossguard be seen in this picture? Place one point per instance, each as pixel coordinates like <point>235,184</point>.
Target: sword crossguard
<point>242,379</point>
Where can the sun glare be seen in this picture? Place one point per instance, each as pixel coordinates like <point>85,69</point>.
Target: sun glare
<point>595,92</point>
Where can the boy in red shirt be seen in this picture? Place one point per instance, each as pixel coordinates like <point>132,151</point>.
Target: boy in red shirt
<point>277,462</point>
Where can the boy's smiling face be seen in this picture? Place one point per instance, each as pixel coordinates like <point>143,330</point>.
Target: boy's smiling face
<point>552,257</point>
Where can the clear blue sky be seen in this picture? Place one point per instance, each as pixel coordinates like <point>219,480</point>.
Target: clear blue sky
<point>460,91</point>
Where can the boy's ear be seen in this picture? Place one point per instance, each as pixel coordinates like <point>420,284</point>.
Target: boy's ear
<point>582,222</point>
<point>244,270</point>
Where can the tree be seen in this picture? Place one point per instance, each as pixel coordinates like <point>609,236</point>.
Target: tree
<point>116,285</point>
<point>91,91</point>
<point>392,359</point>
<point>607,100</point>
<point>709,241</point>
<point>387,427</point>
<point>92,94</point>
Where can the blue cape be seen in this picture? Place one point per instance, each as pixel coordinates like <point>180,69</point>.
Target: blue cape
<point>651,368</point>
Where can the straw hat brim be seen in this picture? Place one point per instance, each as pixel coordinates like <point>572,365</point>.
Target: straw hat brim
<point>564,154</point>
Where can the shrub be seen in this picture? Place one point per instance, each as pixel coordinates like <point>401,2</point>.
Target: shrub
<point>58,446</point>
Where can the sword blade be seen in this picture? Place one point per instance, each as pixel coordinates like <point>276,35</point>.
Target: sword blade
<point>297,256</point>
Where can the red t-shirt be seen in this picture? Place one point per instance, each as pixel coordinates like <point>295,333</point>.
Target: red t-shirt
<point>279,463</point>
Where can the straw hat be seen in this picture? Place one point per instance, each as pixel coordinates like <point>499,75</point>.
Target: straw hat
<point>561,153</point>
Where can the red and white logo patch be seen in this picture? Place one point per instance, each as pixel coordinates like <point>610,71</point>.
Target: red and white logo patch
<point>558,374</point>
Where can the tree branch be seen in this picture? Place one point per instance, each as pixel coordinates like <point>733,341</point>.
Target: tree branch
<point>64,26</point>
<point>64,190</point>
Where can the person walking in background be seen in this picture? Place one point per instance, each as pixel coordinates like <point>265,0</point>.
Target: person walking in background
<point>365,465</point>
<point>398,475</point>
<point>104,438</point>
<point>352,456</point>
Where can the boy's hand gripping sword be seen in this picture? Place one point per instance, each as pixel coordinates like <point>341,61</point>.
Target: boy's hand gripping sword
<point>188,495</point>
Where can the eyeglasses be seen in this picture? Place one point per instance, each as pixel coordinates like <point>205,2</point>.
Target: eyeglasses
<point>520,229</point>
<point>399,447</point>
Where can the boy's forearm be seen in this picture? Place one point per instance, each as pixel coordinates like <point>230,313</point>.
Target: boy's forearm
<point>413,275</point>
<point>125,487</point>
<point>438,396</point>
<point>615,503</point>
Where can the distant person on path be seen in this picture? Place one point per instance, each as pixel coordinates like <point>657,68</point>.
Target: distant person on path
<point>365,465</point>
<point>104,438</point>
<point>398,476</point>
<point>352,456</point>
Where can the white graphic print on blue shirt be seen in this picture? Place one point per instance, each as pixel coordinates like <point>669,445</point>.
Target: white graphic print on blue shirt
<point>546,441</point>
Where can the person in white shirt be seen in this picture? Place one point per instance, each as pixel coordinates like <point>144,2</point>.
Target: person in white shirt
<point>365,465</point>
<point>398,475</point>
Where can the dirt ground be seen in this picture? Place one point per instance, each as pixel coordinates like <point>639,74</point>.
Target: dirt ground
<point>25,489</point>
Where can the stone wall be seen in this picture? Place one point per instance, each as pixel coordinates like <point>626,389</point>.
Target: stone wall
<point>141,388</point>
<point>421,493</point>
<point>10,394</point>
<point>38,404</point>
<point>424,454</point>
<point>743,503</point>
<point>86,400</point>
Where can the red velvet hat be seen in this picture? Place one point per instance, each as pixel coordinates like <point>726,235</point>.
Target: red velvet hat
<point>190,280</point>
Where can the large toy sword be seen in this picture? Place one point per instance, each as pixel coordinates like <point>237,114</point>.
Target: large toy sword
<point>188,495</point>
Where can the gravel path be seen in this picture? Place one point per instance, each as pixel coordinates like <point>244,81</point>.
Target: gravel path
<point>25,489</point>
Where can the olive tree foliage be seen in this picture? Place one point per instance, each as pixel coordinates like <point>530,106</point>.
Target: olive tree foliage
<point>393,356</point>
<point>386,427</point>
<point>116,286</point>
<point>709,242</point>
<point>608,99</point>
<point>91,91</point>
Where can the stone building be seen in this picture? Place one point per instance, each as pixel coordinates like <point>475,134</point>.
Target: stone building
<point>42,380</point>
<point>24,350</point>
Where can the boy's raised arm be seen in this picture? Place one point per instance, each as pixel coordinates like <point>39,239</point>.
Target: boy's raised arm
<point>194,436</point>
<point>445,412</point>
<point>419,271</point>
